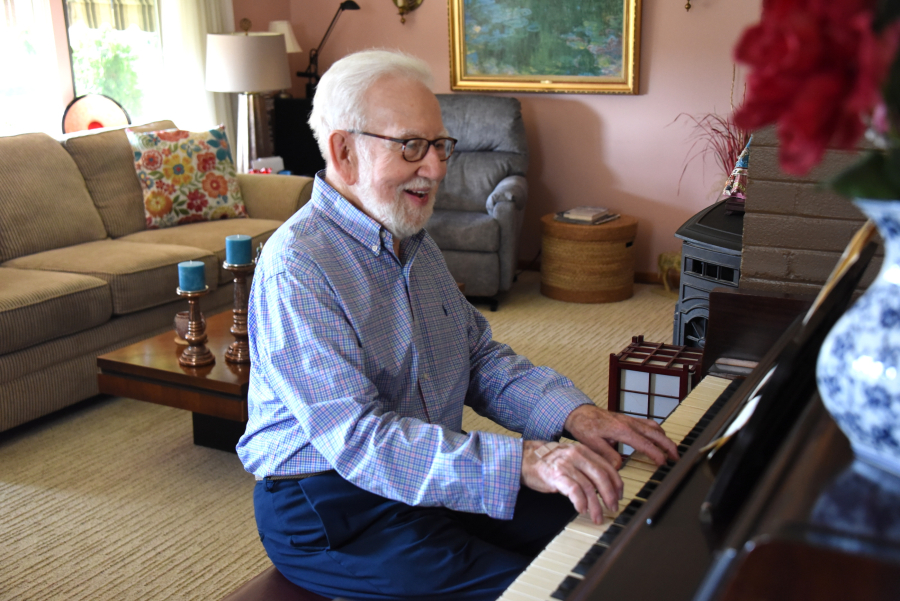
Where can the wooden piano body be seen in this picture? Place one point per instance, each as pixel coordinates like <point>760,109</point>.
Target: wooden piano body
<point>781,512</point>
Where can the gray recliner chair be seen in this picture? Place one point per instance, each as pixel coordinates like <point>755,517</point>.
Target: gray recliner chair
<point>481,202</point>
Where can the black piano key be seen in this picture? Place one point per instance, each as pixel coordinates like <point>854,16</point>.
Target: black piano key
<point>589,559</point>
<point>626,514</point>
<point>660,473</point>
<point>646,490</point>
<point>567,586</point>
<point>610,535</point>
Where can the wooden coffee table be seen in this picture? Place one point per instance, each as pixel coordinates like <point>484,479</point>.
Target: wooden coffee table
<point>216,394</point>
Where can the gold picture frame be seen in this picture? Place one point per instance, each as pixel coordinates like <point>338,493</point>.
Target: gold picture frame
<point>592,47</point>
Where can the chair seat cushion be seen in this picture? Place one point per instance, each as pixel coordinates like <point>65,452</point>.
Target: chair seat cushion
<point>36,306</point>
<point>460,230</point>
<point>139,275</point>
<point>210,236</point>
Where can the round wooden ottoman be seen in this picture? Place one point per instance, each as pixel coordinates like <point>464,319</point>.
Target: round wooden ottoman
<point>588,263</point>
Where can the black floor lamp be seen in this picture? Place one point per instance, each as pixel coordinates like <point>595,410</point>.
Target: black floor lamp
<point>312,71</point>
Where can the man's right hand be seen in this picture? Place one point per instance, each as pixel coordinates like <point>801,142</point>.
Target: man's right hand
<point>575,471</point>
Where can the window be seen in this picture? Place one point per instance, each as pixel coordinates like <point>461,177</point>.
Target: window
<point>29,85</point>
<point>115,49</point>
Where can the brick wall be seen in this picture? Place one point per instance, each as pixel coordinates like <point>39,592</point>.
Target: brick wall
<point>795,230</point>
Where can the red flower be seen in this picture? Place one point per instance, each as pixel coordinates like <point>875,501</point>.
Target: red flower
<point>206,161</point>
<point>173,135</point>
<point>196,200</point>
<point>816,70</point>
<point>152,160</point>
<point>215,185</point>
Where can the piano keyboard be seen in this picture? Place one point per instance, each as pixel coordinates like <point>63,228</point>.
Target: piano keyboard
<point>564,562</point>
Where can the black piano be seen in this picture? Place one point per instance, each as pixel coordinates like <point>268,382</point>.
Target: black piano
<point>778,510</point>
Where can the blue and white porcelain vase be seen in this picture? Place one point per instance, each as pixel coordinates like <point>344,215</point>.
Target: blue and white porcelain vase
<point>858,371</point>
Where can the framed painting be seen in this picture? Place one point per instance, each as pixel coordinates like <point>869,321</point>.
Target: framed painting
<point>582,46</point>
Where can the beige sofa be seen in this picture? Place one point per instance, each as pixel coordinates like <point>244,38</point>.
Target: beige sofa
<point>79,273</point>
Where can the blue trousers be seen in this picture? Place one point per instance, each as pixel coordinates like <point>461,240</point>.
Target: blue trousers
<point>336,539</point>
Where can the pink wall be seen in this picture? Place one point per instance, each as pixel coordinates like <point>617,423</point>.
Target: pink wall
<point>624,152</point>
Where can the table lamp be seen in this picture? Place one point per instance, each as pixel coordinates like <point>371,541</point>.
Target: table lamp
<point>247,63</point>
<point>312,71</point>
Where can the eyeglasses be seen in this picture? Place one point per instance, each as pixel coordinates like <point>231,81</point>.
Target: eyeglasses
<point>415,149</point>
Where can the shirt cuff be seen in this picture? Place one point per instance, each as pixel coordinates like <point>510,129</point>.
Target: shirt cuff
<point>501,472</point>
<point>548,419</point>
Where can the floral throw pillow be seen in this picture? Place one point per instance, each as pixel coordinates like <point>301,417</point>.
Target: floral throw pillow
<point>186,176</point>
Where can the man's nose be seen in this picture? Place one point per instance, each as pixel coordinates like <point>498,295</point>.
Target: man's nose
<point>432,166</point>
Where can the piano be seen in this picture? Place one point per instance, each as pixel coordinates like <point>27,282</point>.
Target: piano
<point>778,510</point>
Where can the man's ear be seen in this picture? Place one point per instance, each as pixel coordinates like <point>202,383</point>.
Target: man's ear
<point>344,159</point>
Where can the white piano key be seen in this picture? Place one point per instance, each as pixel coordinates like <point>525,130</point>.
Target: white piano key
<point>514,593</point>
<point>524,592</point>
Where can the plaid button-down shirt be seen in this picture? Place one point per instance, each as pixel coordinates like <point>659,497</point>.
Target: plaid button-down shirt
<point>362,363</point>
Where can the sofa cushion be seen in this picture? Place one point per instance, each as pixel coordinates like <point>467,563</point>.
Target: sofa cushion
<point>459,230</point>
<point>186,176</point>
<point>46,204</point>
<point>139,275</point>
<point>210,236</point>
<point>36,306</point>
<point>106,162</point>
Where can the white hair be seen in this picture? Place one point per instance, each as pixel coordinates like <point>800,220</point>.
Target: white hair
<point>340,100</point>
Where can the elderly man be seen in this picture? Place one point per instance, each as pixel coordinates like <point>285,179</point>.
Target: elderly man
<point>364,353</point>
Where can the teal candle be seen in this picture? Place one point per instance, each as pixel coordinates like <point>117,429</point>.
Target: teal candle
<point>238,249</point>
<point>191,276</point>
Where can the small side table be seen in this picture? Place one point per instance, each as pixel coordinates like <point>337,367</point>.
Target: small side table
<point>588,263</point>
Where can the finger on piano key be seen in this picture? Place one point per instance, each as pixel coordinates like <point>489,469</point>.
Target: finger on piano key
<point>584,525</point>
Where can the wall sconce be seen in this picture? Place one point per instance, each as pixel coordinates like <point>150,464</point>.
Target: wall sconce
<point>406,6</point>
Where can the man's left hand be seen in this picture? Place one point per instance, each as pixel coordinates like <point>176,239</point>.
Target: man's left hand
<point>600,430</point>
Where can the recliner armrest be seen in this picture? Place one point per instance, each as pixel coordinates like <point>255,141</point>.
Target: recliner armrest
<point>513,189</point>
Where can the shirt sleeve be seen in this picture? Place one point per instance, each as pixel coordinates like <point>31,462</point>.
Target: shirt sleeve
<point>313,361</point>
<point>510,390</point>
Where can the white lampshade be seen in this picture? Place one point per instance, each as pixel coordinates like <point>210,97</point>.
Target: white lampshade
<point>253,62</point>
<point>285,29</point>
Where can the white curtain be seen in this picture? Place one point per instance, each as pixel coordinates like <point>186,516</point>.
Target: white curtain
<point>31,98</point>
<point>184,25</point>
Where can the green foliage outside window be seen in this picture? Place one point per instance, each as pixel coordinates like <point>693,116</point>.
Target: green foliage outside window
<point>114,63</point>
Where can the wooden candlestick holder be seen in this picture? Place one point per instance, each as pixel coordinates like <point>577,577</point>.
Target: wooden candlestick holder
<point>196,354</point>
<point>239,350</point>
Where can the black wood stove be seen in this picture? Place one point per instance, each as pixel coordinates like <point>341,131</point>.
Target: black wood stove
<point>710,258</point>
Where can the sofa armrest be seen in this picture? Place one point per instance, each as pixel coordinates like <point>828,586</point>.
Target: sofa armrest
<point>513,188</point>
<point>273,196</point>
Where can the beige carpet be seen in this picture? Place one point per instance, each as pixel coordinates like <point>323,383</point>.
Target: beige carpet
<point>112,501</point>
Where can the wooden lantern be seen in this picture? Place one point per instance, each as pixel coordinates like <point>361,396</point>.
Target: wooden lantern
<point>650,379</point>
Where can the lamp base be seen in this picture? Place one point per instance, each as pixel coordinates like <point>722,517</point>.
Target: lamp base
<point>253,138</point>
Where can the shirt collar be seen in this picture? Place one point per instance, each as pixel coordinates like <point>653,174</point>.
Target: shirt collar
<point>356,223</point>
<point>346,216</point>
